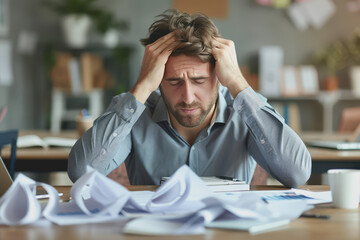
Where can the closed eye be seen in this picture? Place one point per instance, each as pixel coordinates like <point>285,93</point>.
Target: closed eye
<point>199,80</point>
<point>175,82</point>
<point>179,81</point>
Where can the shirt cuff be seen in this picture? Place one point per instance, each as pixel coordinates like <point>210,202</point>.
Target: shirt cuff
<point>247,102</point>
<point>127,107</point>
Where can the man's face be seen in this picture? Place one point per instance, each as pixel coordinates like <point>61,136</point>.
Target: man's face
<point>189,89</point>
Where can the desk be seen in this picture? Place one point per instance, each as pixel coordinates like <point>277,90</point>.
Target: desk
<point>344,224</point>
<point>41,159</point>
<point>324,159</point>
<point>55,159</point>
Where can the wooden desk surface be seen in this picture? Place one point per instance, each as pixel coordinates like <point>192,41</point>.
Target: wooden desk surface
<point>55,159</point>
<point>41,159</point>
<point>318,154</point>
<point>344,224</point>
<point>323,154</point>
<point>38,153</point>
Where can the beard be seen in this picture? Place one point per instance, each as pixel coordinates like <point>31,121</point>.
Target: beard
<point>191,120</point>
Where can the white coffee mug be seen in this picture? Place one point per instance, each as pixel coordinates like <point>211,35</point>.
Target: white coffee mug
<point>345,187</point>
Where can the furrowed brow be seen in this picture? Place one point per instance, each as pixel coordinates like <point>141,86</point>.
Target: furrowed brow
<point>173,79</point>
<point>199,78</point>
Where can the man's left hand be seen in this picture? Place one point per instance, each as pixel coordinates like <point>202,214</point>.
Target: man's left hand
<point>226,66</point>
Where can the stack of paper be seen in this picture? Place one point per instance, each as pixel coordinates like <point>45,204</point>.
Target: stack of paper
<point>218,184</point>
<point>182,205</point>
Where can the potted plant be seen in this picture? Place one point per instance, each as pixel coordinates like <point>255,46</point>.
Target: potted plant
<point>332,59</point>
<point>109,27</point>
<point>76,19</point>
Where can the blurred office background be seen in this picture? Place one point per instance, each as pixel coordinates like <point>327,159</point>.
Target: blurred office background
<point>249,24</point>
<point>283,35</point>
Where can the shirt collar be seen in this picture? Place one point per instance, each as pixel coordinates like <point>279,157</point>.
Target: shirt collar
<point>221,110</point>
<point>160,113</point>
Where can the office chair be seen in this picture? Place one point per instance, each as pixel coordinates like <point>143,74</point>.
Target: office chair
<point>10,137</point>
<point>350,119</point>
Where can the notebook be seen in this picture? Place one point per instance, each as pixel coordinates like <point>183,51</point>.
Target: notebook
<point>352,144</point>
<point>6,181</point>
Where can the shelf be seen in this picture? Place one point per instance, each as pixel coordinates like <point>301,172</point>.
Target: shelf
<point>328,101</point>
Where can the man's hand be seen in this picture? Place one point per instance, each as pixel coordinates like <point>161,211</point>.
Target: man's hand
<point>153,66</point>
<point>226,66</point>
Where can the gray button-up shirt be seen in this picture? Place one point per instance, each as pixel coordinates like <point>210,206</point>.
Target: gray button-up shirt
<point>246,130</point>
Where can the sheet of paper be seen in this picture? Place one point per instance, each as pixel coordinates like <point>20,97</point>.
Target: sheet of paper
<point>252,208</point>
<point>317,197</point>
<point>313,13</point>
<point>282,195</point>
<point>151,226</point>
<point>19,206</point>
<point>107,196</point>
<point>183,205</point>
<point>297,16</point>
<point>183,190</point>
<point>219,184</point>
<point>142,197</point>
<point>69,214</point>
<point>318,12</point>
<point>95,198</point>
<point>309,80</point>
<point>271,60</point>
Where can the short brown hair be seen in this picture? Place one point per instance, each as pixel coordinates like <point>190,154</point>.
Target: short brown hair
<point>194,31</point>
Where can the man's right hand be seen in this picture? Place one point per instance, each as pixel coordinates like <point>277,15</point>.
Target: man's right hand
<point>153,66</point>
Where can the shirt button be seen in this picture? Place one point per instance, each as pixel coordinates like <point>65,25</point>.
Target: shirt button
<point>103,151</point>
<point>132,110</point>
<point>262,141</point>
<point>114,134</point>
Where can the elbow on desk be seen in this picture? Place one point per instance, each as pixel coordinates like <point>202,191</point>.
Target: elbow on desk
<point>297,179</point>
<point>301,176</point>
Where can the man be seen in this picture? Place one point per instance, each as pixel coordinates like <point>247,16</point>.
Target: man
<point>191,105</point>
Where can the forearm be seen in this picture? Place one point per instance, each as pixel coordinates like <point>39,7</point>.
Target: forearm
<point>153,66</point>
<point>273,144</point>
<point>237,86</point>
<point>141,92</point>
<point>109,137</point>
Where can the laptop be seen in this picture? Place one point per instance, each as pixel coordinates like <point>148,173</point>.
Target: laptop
<point>352,144</point>
<point>6,181</point>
